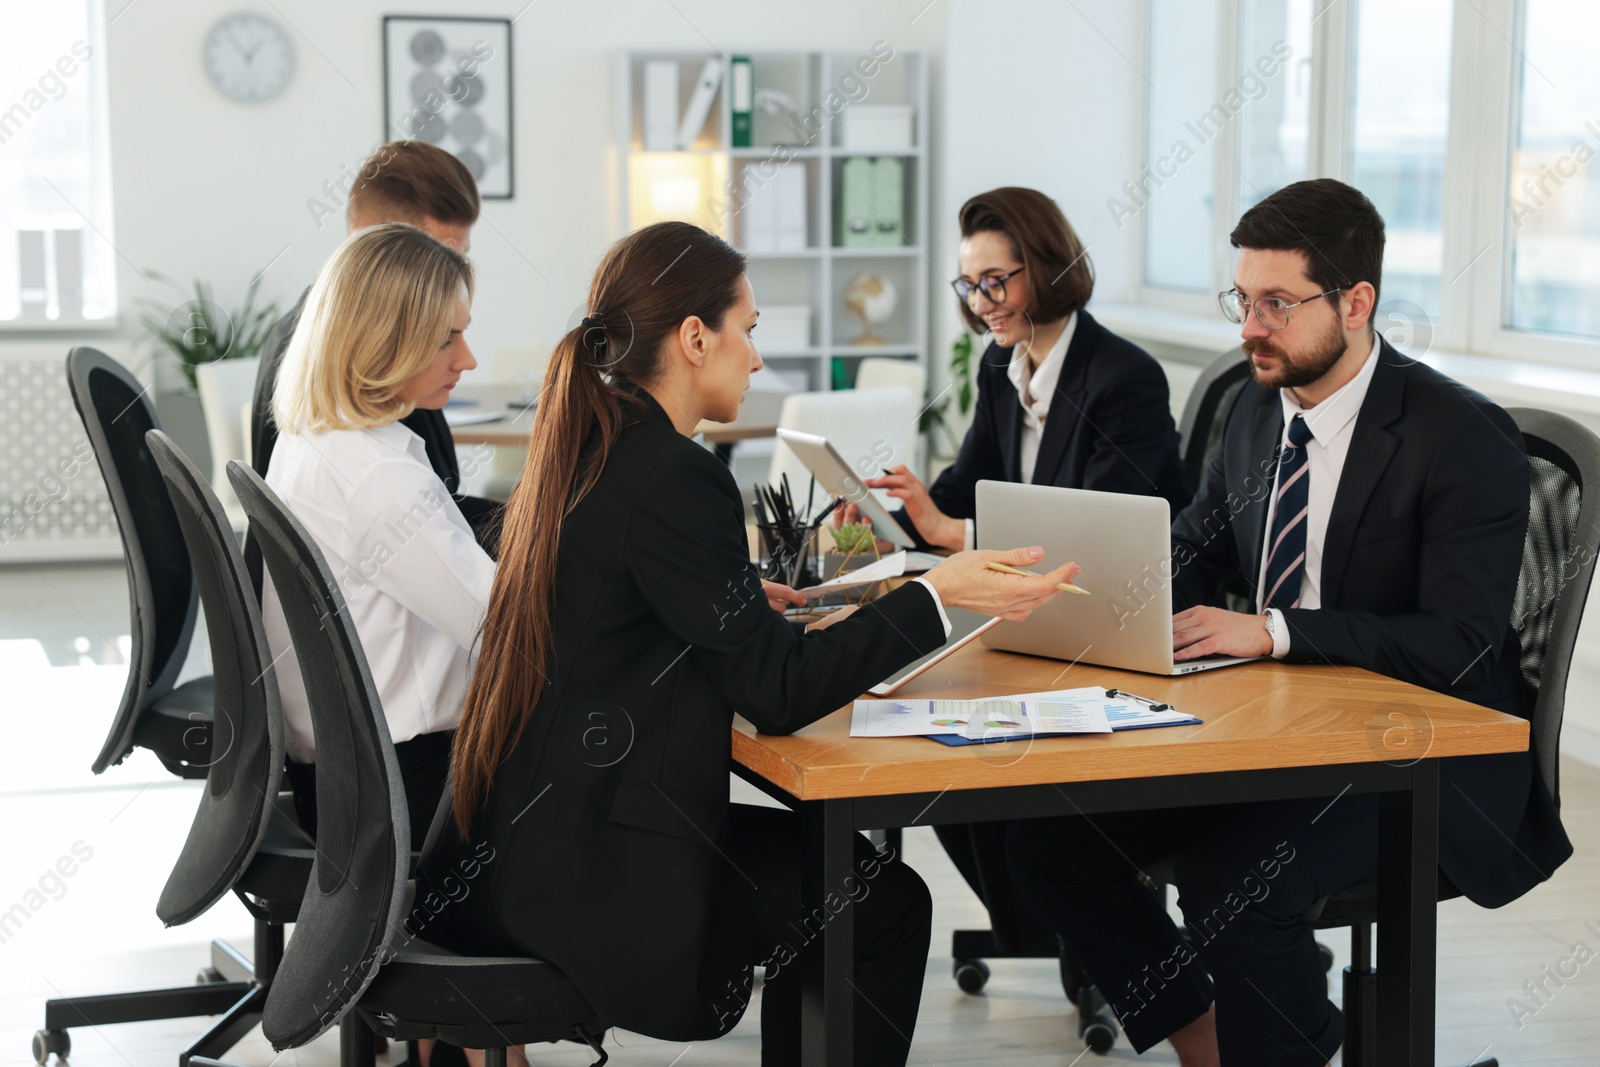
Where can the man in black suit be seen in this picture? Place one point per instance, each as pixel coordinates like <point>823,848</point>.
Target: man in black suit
<point>1378,509</point>
<point>416,183</point>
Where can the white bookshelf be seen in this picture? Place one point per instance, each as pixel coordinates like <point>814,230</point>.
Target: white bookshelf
<point>816,275</point>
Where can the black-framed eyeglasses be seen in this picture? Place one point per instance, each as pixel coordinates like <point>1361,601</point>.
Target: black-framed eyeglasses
<point>993,287</point>
<point>1271,312</point>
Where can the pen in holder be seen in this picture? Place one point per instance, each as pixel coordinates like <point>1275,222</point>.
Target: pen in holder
<point>788,537</point>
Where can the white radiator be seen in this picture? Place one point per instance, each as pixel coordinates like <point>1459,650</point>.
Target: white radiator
<point>53,503</point>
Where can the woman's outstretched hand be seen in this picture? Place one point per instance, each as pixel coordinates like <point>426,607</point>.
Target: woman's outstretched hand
<point>964,581</point>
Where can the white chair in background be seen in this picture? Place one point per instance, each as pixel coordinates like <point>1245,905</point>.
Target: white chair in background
<point>879,372</point>
<point>870,429</point>
<point>226,387</point>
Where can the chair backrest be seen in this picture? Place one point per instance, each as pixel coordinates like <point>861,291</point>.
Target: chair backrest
<point>247,725</point>
<point>358,879</point>
<point>1206,411</point>
<point>1558,559</point>
<point>162,596</point>
<point>881,372</point>
<point>226,386</point>
<point>870,429</point>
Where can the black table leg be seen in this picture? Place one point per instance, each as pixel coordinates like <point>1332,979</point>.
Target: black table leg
<point>827,994</point>
<point>1408,893</point>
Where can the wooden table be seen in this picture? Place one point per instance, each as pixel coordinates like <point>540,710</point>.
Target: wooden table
<point>1272,731</point>
<point>758,417</point>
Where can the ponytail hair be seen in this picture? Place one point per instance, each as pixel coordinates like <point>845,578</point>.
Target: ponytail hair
<point>647,285</point>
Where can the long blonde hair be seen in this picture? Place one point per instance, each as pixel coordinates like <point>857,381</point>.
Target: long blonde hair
<point>374,318</point>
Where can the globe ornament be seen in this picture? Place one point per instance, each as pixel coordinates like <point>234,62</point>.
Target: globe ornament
<point>871,300</point>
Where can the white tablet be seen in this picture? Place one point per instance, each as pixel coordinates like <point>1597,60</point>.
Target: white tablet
<point>837,479</point>
<point>964,627</point>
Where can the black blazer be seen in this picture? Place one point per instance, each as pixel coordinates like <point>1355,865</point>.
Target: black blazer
<point>1109,428</point>
<point>605,823</point>
<point>1419,568</point>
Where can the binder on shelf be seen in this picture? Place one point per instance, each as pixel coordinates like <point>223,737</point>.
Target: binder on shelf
<point>855,223</point>
<point>741,82</point>
<point>705,91</point>
<point>888,202</point>
<point>660,105</point>
<point>791,198</point>
<point>758,213</point>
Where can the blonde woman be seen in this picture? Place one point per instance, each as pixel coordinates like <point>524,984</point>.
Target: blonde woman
<point>382,335</point>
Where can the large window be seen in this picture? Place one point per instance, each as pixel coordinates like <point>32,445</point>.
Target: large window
<point>1176,187</point>
<point>1555,186</point>
<point>56,260</point>
<point>1473,125</point>
<point>1399,128</point>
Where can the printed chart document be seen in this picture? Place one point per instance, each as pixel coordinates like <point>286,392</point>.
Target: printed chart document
<point>1020,716</point>
<point>1090,709</point>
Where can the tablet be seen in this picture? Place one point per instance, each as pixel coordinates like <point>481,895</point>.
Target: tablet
<point>837,479</point>
<point>964,627</point>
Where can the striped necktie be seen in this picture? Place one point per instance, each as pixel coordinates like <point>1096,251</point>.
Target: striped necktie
<point>1286,558</point>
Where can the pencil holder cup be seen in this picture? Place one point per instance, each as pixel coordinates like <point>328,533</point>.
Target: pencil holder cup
<point>790,553</point>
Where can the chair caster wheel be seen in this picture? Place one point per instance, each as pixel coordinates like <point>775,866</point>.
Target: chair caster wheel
<point>207,975</point>
<point>1326,955</point>
<point>971,975</point>
<point>1100,1034</point>
<point>48,1041</point>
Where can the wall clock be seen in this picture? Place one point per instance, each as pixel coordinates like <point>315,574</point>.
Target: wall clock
<point>249,58</point>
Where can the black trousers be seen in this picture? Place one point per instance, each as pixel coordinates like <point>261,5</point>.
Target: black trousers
<point>893,918</point>
<point>1245,875</point>
<point>424,766</point>
<point>979,852</point>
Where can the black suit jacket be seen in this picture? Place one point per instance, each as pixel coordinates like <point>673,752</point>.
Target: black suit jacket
<point>1419,568</point>
<point>1109,428</point>
<point>483,515</point>
<point>605,822</point>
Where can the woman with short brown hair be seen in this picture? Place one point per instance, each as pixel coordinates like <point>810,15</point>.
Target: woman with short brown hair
<point>1061,399</point>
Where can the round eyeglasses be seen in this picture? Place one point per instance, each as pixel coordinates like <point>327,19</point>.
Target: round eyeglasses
<point>993,287</point>
<point>1271,312</point>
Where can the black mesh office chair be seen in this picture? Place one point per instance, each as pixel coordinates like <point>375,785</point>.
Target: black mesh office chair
<point>240,840</point>
<point>351,948</point>
<point>1206,411</point>
<point>1552,588</point>
<point>172,721</point>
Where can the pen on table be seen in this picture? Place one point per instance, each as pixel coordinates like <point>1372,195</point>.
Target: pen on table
<point>1064,586</point>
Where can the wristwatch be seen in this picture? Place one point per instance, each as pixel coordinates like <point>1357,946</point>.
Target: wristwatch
<point>1268,623</point>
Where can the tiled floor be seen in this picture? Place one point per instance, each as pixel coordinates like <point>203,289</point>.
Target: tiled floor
<point>61,635</point>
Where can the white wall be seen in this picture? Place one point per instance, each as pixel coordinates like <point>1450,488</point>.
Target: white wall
<point>1047,95</point>
<point>204,187</point>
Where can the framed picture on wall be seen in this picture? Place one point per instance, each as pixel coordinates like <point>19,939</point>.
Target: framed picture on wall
<point>447,81</point>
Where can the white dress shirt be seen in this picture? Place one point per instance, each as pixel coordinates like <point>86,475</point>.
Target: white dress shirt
<point>414,579</point>
<point>1332,424</point>
<point>1034,394</point>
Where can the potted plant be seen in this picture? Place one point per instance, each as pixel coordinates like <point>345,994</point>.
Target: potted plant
<point>200,331</point>
<point>935,421</point>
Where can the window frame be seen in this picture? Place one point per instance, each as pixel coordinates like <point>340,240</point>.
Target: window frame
<point>1486,53</point>
<point>101,227</point>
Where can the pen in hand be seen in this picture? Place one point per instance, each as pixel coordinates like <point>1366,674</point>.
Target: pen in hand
<point>1064,586</point>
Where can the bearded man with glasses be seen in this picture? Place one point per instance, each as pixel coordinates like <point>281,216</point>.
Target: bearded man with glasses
<point>1378,509</point>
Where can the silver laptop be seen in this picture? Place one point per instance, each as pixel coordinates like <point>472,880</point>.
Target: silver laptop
<point>1124,545</point>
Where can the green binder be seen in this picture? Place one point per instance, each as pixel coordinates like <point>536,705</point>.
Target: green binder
<point>888,201</point>
<point>855,222</point>
<point>743,99</point>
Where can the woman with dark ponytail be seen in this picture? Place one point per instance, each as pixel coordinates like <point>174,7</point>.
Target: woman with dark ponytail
<point>625,628</point>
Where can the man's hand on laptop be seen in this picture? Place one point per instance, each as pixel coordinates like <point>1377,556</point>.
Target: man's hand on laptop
<point>1204,631</point>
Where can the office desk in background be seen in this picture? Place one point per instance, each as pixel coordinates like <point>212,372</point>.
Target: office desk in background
<point>758,417</point>
<point>1272,731</point>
